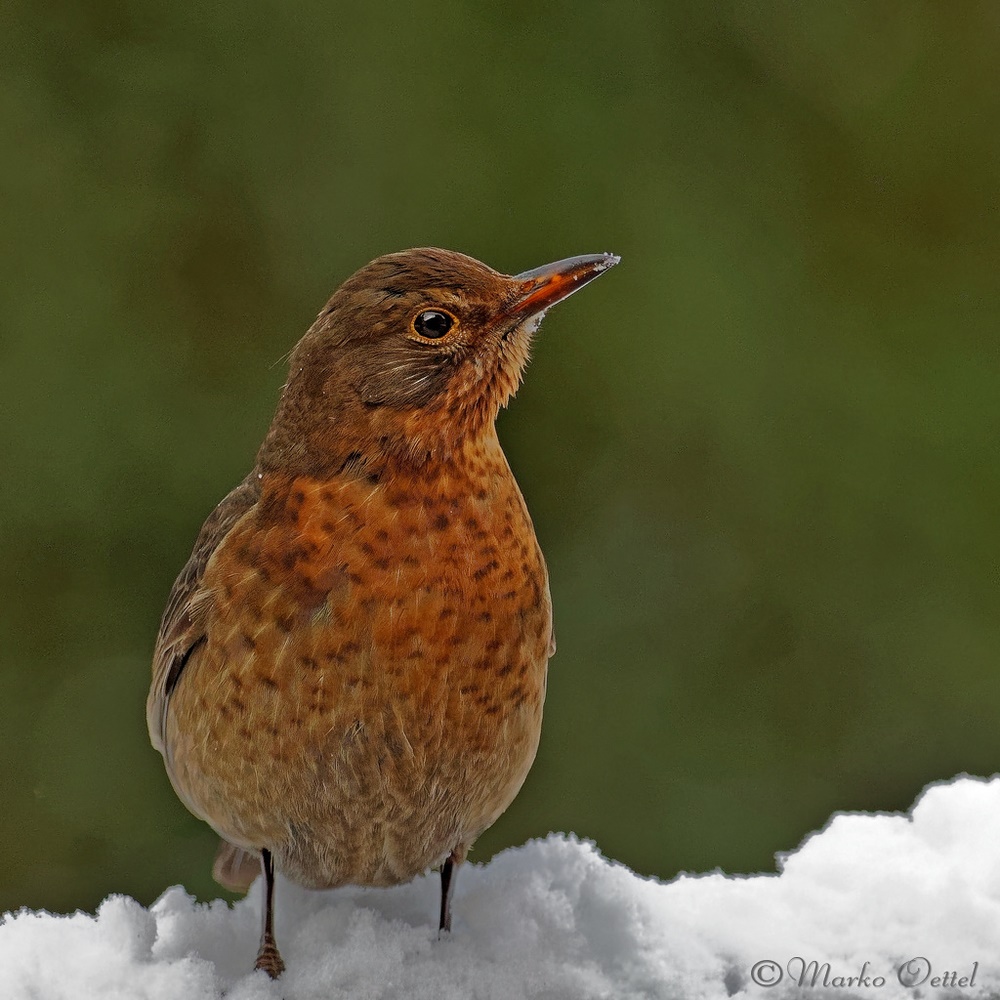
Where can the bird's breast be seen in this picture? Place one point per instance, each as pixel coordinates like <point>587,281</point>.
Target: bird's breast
<point>407,578</point>
<point>384,641</point>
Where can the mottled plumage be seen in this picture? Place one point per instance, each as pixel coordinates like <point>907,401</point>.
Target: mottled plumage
<point>350,671</point>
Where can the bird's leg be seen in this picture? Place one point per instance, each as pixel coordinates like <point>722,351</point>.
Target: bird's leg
<point>448,872</point>
<point>268,957</point>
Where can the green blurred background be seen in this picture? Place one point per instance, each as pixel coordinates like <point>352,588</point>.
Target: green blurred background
<point>761,454</point>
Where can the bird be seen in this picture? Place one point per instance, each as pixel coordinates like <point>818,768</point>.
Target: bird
<point>349,674</point>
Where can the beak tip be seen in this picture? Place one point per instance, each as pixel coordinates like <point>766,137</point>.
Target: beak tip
<point>544,286</point>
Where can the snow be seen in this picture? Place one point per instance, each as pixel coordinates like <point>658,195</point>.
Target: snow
<point>554,919</point>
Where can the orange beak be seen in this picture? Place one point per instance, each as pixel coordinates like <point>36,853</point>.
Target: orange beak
<point>545,286</point>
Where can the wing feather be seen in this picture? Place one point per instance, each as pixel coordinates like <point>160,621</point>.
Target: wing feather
<point>182,629</point>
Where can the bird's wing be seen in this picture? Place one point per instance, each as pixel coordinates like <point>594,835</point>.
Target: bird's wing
<point>182,630</point>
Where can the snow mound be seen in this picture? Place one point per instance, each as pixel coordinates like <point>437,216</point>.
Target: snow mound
<point>898,905</point>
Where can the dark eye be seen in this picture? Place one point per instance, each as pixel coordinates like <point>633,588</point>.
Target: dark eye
<point>433,324</point>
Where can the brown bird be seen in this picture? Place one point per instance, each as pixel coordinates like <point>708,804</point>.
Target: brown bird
<point>349,674</point>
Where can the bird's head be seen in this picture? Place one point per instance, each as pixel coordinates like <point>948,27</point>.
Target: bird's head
<point>414,352</point>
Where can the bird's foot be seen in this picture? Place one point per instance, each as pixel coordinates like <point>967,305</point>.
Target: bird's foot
<point>269,959</point>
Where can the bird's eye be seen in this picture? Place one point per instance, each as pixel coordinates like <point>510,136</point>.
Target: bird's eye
<point>433,324</point>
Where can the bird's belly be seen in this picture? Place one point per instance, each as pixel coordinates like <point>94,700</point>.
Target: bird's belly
<point>368,777</point>
<point>363,737</point>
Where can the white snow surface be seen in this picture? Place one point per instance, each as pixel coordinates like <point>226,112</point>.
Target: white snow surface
<point>554,919</point>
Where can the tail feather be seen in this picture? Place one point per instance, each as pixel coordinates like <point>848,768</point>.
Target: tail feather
<point>234,867</point>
